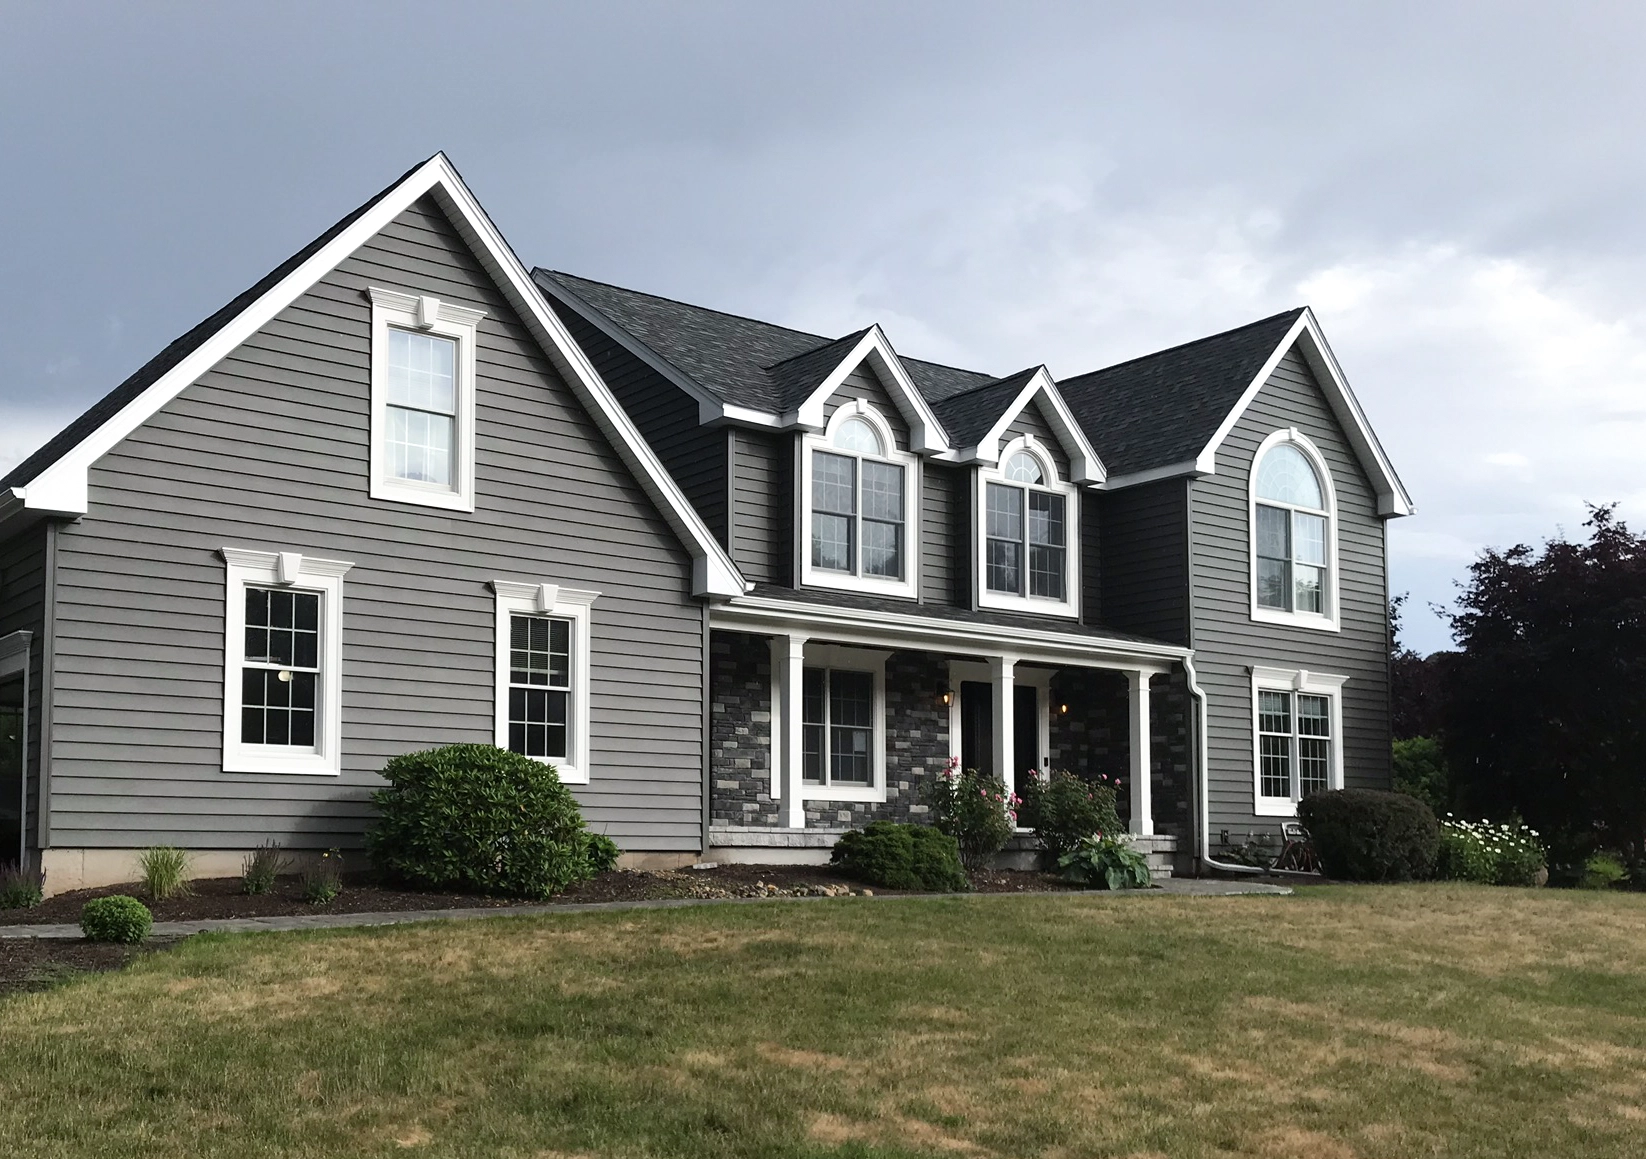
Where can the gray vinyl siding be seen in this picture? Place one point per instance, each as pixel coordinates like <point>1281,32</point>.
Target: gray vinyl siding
<point>269,450</point>
<point>863,383</point>
<point>1144,559</point>
<point>1226,640</point>
<point>1032,421</point>
<point>23,595</point>
<point>945,501</point>
<point>762,473</point>
<point>668,418</point>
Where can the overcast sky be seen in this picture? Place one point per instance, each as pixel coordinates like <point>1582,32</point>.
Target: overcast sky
<point>1455,188</point>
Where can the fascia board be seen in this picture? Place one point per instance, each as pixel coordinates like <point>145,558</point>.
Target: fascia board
<point>1392,499</point>
<point>926,435</point>
<point>713,572</point>
<point>710,409</point>
<point>894,630</point>
<point>62,488</point>
<point>1084,463</point>
<point>1189,468</point>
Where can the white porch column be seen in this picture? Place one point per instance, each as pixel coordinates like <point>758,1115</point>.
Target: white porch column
<point>1137,714</point>
<point>1002,674</point>
<point>788,680</point>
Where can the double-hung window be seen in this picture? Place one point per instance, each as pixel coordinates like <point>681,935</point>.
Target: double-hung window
<point>543,694</point>
<point>1026,533</point>
<point>1297,731</point>
<point>423,400</point>
<point>837,713</point>
<point>1291,538</point>
<point>858,505</point>
<point>282,680</point>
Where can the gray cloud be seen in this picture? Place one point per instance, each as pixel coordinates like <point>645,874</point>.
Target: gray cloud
<point>1454,187</point>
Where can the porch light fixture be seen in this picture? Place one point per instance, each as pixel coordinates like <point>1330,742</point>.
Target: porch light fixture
<point>948,698</point>
<point>1063,710</point>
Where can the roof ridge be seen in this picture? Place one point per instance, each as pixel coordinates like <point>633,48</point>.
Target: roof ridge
<point>689,305</point>
<point>852,337</point>
<point>1293,312</point>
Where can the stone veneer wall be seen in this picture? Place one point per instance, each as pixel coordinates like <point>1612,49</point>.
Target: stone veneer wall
<point>1094,737</point>
<point>917,745</point>
<point>740,732</point>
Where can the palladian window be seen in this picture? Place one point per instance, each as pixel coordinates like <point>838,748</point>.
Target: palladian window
<point>857,504</point>
<point>1291,533</point>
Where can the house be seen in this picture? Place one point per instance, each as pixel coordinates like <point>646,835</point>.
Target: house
<point>745,587</point>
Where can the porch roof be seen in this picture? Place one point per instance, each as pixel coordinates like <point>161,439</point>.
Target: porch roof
<point>904,623</point>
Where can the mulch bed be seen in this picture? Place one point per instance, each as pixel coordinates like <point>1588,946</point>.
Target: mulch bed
<point>38,964</point>
<point>223,897</point>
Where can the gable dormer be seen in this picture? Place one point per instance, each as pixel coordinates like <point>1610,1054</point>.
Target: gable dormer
<point>1030,462</point>
<point>864,426</point>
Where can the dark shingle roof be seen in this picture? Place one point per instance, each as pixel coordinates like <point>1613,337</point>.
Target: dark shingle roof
<point>794,379</point>
<point>967,416</point>
<point>153,370</point>
<point>1163,408</point>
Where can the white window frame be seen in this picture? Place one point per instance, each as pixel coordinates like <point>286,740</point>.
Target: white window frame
<point>909,586</point>
<point>1069,605</point>
<point>298,572</point>
<point>853,660</point>
<point>1309,683</point>
<point>548,600</point>
<point>425,314</point>
<point>1330,620</point>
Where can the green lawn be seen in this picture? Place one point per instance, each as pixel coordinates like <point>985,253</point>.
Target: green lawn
<point>1400,1021</point>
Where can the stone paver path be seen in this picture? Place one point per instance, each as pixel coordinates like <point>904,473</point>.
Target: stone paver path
<point>1172,886</point>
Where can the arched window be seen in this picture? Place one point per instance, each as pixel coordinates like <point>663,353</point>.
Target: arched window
<point>1026,532</point>
<point>1292,529</point>
<point>858,504</point>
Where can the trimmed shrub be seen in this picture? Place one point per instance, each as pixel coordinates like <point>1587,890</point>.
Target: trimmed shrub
<point>21,887</point>
<point>478,818</point>
<point>1369,835</point>
<point>1107,862</point>
<point>118,918</point>
<point>262,867</point>
<point>602,852</point>
<point>1065,809</point>
<point>165,870</point>
<point>975,810</point>
<point>901,857</point>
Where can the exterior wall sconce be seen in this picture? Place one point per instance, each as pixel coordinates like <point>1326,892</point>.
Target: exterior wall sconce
<point>1063,710</point>
<point>948,698</point>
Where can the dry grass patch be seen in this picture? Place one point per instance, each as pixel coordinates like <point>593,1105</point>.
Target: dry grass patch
<point>1373,1023</point>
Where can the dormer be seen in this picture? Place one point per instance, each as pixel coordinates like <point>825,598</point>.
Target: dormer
<point>1031,461</point>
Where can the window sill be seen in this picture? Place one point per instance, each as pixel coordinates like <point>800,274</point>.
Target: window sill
<point>854,793</point>
<point>1275,807</point>
<point>297,764</point>
<point>440,497</point>
<point>838,581</point>
<point>1295,620</point>
<point>1028,605</point>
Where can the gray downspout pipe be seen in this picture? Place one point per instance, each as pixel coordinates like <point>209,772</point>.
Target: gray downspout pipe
<point>1202,774</point>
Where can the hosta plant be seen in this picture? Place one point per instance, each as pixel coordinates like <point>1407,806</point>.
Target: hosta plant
<point>1108,862</point>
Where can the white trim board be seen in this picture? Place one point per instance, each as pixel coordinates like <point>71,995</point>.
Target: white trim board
<point>1311,683</point>
<point>62,488</point>
<point>575,605</point>
<point>926,436</point>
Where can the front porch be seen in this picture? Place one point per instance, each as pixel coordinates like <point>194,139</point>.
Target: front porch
<point>904,706</point>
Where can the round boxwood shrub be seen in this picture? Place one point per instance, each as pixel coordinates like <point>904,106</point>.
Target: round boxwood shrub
<point>116,919</point>
<point>1368,835</point>
<point>478,818</point>
<point>901,857</point>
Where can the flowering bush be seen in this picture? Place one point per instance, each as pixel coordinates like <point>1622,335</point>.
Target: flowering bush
<point>1107,862</point>
<point>1065,809</point>
<point>1507,854</point>
<point>975,810</point>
